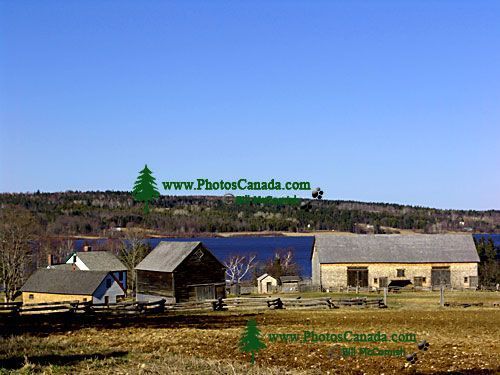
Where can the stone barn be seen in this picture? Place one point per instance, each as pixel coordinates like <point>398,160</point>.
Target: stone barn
<point>376,261</point>
<point>180,272</point>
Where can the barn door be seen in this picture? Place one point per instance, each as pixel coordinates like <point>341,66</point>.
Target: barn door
<point>473,281</point>
<point>357,276</point>
<point>440,276</point>
<point>205,292</point>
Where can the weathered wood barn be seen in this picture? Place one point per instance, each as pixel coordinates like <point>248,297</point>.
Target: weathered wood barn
<point>51,285</point>
<point>376,261</point>
<point>180,272</point>
<point>290,284</point>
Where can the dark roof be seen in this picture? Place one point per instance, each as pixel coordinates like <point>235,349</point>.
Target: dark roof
<point>64,282</point>
<point>101,261</point>
<point>167,256</point>
<point>393,248</point>
<point>289,279</point>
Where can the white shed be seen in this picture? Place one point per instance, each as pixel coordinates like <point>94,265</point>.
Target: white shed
<point>266,284</point>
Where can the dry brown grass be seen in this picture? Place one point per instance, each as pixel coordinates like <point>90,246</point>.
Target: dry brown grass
<point>462,341</point>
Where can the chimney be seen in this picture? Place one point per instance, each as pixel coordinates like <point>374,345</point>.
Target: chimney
<point>87,248</point>
<point>50,259</point>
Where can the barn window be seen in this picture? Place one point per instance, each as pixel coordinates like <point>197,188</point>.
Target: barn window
<point>74,258</point>
<point>418,280</point>
<point>375,280</point>
<point>423,279</point>
<point>198,254</point>
<point>466,279</point>
<point>85,300</point>
<point>31,296</point>
<point>400,273</point>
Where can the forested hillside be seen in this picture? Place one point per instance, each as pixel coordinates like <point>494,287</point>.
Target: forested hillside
<point>96,213</point>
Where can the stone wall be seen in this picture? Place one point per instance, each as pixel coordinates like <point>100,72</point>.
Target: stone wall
<point>49,297</point>
<point>334,276</point>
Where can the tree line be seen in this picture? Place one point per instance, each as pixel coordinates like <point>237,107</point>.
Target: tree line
<point>98,213</point>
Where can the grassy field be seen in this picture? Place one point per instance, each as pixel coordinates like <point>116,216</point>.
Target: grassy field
<point>461,341</point>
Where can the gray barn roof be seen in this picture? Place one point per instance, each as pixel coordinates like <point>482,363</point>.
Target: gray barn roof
<point>101,261</point>
<point>393,248</point>
<point>64,282</point>
<point>289,279</point>
<point>167,256</point>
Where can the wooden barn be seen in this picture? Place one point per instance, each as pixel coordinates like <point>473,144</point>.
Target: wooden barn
<point>180,272</point>
<point>377,261</point>
<point>51,285</point>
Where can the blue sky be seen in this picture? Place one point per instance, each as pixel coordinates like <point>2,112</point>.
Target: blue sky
<point>372,101</point>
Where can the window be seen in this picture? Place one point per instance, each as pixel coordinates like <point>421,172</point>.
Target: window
<point>423,279</point>
<point>120,276</point>
<point>31,296</point>
<point>74,258</point>
<point>418,280</point>
<point>466,279</point>
<point>375,280</point>
<point>108,283</point>
<point>85,300</point>
<point>401,273</point>
<point>198,254</point>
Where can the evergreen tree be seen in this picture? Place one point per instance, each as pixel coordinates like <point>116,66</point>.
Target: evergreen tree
<point>250,340</point>
<point>145,189</point>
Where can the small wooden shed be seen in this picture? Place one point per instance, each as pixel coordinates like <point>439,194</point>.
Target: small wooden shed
<point>180,272</point>
<point>266,284</point>
<point>290,284</point>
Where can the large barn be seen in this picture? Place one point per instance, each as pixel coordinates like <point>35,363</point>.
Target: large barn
<point>180,272</point>
<point>376,261</point>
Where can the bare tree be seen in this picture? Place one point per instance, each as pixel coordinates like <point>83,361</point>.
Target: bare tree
<point>282,264</point>
<point>237,266</point>
<point>18,229</point>
<point>132,251</point>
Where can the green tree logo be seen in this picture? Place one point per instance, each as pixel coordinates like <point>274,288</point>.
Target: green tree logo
<point>145,189</point>
<point>250,340</point>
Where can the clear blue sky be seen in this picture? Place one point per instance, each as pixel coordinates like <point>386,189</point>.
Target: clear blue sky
<point>372,101</point>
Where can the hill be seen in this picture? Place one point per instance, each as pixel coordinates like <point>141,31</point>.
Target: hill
<point>97,213</point>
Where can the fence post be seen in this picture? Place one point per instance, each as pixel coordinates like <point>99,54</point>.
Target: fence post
<point>441,296</point>
<point>385,296</point>
<point>357,289</point>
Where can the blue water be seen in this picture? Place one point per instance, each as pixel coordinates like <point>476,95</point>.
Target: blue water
<point>496,237</point>
<point>263,247</point>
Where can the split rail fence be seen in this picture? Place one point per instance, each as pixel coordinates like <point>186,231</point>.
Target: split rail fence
<point>14,309</point>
